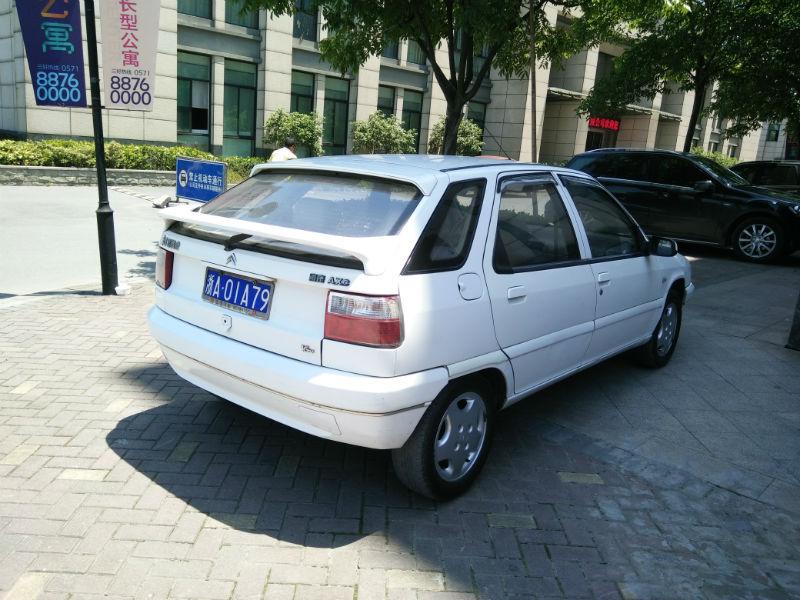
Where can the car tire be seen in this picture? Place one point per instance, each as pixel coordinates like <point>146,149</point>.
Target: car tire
<point>440,459</point>
<point>758,239</point>
<point>659,348</point>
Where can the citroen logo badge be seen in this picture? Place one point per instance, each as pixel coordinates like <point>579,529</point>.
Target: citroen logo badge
<point>231,259</point>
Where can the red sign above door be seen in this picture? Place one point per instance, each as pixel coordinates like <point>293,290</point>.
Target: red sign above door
<point>602,123</point>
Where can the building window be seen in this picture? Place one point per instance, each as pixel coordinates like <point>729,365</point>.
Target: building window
<point>415,54</point>
<point>194,99</point>
<point>713,146</point>
<point>732,151</point>
<point>234,15</point>
<point>239,109</point>
<point>196,8</point>
<point>476,111</point>
<point>605,65</point>
<point>302,92</point>
<point>335,117</point>
<point>391,50</point>
<point>386,96</point>
<point>773,131</point>
<point>716,124</point>
<point>305,20</point>
<point>412,113</point>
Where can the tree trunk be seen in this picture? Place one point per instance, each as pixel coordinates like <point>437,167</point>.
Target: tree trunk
<point>794,334</point>
<point>697,106</point>
<point>532,21</point>
<point>452,121</point>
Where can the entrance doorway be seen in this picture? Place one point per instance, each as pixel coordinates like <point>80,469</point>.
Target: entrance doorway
<point>600,138</point>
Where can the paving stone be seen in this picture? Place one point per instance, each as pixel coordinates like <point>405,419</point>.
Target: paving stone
<point>117,478</point>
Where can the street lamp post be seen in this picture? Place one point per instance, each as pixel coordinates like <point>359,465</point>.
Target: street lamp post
<point>105,215</point>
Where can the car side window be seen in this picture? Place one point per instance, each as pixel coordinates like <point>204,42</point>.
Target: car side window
<point>610,230</point>
<point>673,170</point>
<point>777,175</point>
<point>533,228</point>
<point>447,238</point>
<point>749,172</point>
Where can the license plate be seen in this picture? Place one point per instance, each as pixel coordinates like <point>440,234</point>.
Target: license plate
<point>241,294</point>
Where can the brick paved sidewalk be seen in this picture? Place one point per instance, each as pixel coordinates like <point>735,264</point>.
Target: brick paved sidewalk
<point>119,480</point>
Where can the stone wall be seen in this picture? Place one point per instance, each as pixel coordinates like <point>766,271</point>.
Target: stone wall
<point>14,175</point>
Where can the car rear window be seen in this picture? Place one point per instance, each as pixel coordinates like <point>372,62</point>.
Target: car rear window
<point>333,204</point>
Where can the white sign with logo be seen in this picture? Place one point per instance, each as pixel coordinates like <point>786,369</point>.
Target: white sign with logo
<point>130,43</point>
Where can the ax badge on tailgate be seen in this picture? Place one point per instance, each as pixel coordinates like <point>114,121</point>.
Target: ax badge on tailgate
<point>318,278</point>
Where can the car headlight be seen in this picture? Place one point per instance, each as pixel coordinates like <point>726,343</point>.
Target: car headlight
<point>795,208</point>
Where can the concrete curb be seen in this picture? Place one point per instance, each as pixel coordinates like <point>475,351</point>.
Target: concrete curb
<point>16,175</point>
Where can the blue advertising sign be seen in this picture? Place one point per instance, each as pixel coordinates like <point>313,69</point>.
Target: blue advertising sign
<point>51,31</point>
<point>200,180</point>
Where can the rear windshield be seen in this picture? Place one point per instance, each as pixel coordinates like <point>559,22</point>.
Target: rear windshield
<point>343,205</point>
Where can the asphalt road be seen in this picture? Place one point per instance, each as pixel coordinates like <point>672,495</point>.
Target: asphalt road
<point>49,238</point>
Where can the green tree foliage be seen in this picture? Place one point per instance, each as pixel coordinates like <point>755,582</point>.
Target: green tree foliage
<point>763,83</point>
<point>305,128</point>
<point>468,143</point>
<point>476,32</point>
<point>684,45</point>
<point>717,157</point>
<point>381,134</point>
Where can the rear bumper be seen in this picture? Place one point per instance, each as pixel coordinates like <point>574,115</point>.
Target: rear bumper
<point>373,412</point>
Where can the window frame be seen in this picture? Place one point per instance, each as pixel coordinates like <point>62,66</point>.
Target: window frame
<point>331,103</point>
<point>238,88</point>
<point>302,8</point>
<point>384,109</point>
<point>210,15</point>
<point>641,238</point>
<point>407,114</point>
<point>294,96</point>
<point>233,15</point>
<point>534,177</point>
<point>435,222</point>
<point>191,80</point>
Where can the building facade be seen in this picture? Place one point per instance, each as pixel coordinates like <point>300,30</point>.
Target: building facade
<point>221,73</point>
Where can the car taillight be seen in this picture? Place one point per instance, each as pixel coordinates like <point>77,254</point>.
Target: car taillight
<point>365,320</point>
<point>164,261</point>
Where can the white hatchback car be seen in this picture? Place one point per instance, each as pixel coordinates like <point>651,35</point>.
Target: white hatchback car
<point>399,302</point>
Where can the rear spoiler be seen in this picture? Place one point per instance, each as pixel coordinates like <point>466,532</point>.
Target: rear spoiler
<point>371,251</point>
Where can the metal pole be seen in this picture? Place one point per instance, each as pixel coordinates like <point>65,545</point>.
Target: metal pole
<point>532,48</point>
<point>105,216</point>
<point>794,334</point>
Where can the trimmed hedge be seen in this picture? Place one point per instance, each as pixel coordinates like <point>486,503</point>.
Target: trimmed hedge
<point>73,153</point>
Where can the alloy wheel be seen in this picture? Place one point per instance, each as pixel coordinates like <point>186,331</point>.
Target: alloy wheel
<point>460,436</point>
<point>667,328</point>
<point>758,240</point>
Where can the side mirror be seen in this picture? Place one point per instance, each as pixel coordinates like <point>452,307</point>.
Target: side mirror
<point>704,186</point>
<point>663,246</point>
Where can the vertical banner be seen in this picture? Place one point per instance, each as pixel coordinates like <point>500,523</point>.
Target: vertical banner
<point>51,31</point>
<point>130,43</point>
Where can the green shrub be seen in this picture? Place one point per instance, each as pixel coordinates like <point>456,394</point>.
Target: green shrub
<point>148,157</point>
<point>468,143</point>
<point>305,128</point>
<point>380,134</point>
<point>718,157</point>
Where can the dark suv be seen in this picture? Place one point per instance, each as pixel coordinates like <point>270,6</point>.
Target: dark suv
<point>776,175</point>
<point>692,198</point>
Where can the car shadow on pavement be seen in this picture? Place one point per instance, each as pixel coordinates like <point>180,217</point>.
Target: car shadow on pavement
<point>253,474</point>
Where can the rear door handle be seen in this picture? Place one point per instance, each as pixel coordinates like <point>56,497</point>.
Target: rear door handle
<point>603,278</point>
<point>517,292</point>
